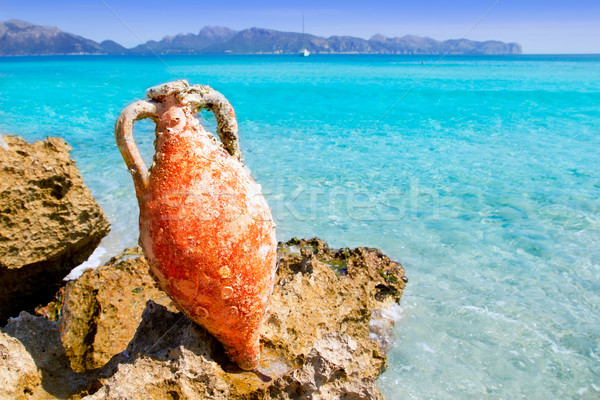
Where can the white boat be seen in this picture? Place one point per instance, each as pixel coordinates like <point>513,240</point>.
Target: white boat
<point>303,52</point>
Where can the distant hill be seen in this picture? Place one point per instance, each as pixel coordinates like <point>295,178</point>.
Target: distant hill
<point>410,44</point>
<point>112,47</point>
<point>260,40</point>
<point>186,43</point>
<point>20,38</point>
<point>23,38</point>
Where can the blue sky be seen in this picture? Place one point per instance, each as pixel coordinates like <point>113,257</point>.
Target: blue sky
<point>539,26</point>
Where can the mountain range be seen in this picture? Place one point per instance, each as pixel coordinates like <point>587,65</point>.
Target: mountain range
<point>20,38</point>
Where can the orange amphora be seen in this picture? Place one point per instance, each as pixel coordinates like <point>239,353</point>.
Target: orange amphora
<point>205,228</point>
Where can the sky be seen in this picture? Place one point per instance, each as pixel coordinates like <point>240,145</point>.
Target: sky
<point>541,27</point>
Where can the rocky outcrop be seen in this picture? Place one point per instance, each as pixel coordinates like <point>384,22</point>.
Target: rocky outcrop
<point>49,222</point>
<point>33,363</point>
<point>319,340</point>
<point>102,309</point>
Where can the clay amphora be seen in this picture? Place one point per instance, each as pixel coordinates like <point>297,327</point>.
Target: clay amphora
<point>205,228</point>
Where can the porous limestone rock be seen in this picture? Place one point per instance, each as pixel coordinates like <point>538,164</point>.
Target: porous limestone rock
<point>19,374</point>
<point>102,309</point>
<point>34,365</point>
<point>49,222</point>
<point>316,341</point>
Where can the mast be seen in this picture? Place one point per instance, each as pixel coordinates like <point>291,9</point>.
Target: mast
<point>303,51</point>
<point>303,46</point>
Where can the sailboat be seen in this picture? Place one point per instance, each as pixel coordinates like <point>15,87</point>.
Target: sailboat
<point>303,51</point>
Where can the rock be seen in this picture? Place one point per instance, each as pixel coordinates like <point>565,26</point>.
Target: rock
<point>49,222</point>
<point>34,364</point>
<point>316,341</point>
<point>20,374</point>
<point>102,309</point>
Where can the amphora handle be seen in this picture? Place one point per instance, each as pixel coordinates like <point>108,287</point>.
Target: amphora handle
<point>205,97</point>
<point>124,136</point>
<point>195,97</point>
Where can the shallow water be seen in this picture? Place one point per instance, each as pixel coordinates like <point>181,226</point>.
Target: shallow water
<point>479,174</point>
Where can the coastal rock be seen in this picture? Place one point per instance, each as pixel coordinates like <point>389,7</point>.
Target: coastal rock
<point>20,374</point>
<point>34,364</point>
<point>49,222</point>
<point>102,309</point>
<point>316,341</point>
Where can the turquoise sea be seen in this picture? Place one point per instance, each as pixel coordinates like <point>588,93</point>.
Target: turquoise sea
<point>481,175</point>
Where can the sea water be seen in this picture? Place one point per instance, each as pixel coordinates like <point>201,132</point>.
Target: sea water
<point>479,174</point>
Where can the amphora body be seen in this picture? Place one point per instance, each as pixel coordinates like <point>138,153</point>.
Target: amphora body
<point>205,228</point>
